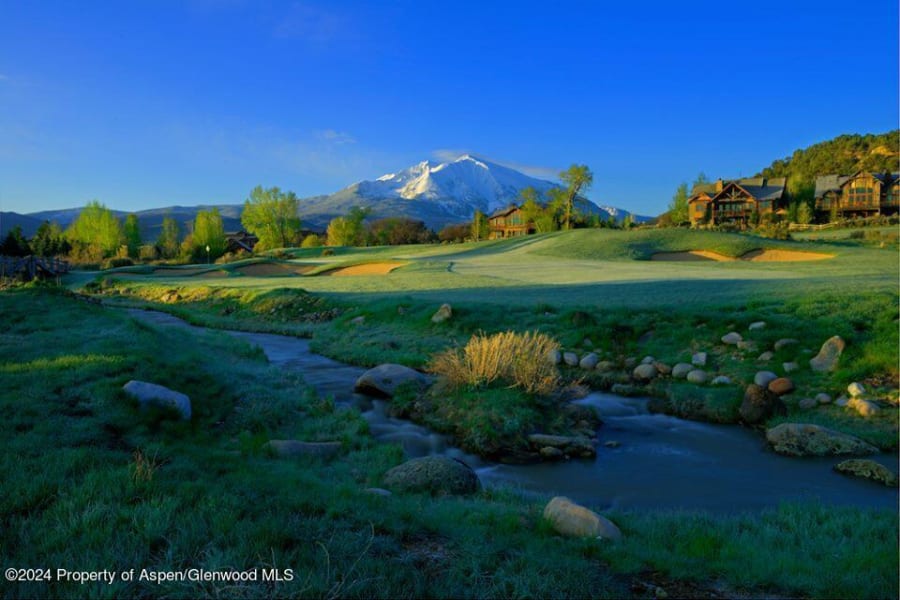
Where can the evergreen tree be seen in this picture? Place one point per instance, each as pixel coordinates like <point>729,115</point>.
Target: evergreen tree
<point>49,240</point>
<point>14,244</point>
<point>132,232</point>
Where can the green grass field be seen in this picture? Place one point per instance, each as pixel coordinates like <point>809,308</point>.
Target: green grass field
<point>92,483</point>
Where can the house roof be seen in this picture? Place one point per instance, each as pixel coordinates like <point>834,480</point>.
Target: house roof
<point>829,183</point>
<point>502,212</point>
<point>758,187</point>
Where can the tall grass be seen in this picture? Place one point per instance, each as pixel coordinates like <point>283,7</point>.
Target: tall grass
<point>518,360</point>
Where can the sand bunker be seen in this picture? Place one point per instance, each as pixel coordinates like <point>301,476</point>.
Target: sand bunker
<point>177,272</point>
<point>273,270</point>
<point>753,256</point>
<point>382,268</point>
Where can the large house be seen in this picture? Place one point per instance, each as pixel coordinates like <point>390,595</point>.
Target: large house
<point>859,195</point>
<point>508,222</point>
<point>736,201</point>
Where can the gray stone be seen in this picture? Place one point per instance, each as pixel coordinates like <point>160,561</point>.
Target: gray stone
<point>699,359</point>
<point>721,380</point>
<point>732,338</point>
<point>151,394</point>
<point>784,342</point>
<point>804,439</point>
<point>644,372</point>
<point>867,469</point>
<point>442,314</point>
<point>763,378</point>
<point>856,389</point>
<point>569,445</point>
<point>823,398</point>
<point>765,356</point>
<point>554,356</point>
<point>842,401</point>
<point>828,356</point>
<point>384,380</point>
<point>757,325</point>
<point>648,360</point>
<point>295,448</point>
<point>437,475</point>
<point>697,376</point>
<point>807,403</point>
<point>573,520</point>
<point>681,370</point>
<point>570,358</point>
<point>790,367</point>
<point>360,320</point>
<point>589,361</point>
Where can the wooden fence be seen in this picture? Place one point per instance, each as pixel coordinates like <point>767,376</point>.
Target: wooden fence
<point>29,267</point>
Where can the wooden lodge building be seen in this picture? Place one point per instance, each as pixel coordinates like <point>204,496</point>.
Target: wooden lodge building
<point>859,195</point>
<point>508,222</point>
<point>736,201</point>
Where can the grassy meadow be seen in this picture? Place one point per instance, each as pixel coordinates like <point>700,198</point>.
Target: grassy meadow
<point>92,483</point>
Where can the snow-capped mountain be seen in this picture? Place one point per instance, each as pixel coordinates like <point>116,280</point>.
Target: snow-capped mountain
<point>437,193</point>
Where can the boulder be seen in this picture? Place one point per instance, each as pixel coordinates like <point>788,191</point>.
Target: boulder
<point>823,398</point>
<point>764,378</point>
<point>865,408</point>
<point>295,448</point>
<point>384,380</point>
<point>867,469</point>
<point>697,376</point>
<point>790,367</point>
<point>721,380</point>
<point>570,358</point>
<point>804,439</point>
<point>781,386</point>
<point>151,394</point>
<point>554,356</point>
<point>732,338</point>
<point>437,475</point>
<point>828,356</point>
<point>785,342</point>
<point>756,325</point>
<point>573,520</point>
<point>765,356</point>
<point>856,389</point>
<point>699,359</point>
<point>644,372</point>
<point>576,446</point>
<point>605,366</point>
<point>681,370</point>
<point>589,361</point>
<point>759,405</point>
<point>442,314</point>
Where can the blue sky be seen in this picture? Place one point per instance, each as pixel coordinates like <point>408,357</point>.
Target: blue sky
<point>149,104</point>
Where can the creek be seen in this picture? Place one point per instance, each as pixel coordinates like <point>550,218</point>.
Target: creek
<point>652,460</point>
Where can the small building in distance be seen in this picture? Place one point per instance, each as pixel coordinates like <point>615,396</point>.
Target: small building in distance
<point>240,241</point>
<point>859,195</point>
<point>736,201</point>
<point>508,222</point>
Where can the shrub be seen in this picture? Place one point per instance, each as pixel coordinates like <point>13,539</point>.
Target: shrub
<point>515,359</point>
<point>112,263</point>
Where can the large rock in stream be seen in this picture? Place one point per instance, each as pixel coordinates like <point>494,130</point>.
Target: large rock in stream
<point>437,475</point>
<point>384,380</point>
<point>804,439</point>
<point>573,520</point>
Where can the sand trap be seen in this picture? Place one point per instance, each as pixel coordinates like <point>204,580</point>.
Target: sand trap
<point>177,272</point>
<point>691,255</point>
<point>753,256</point>
<point>367,269</point>
<point>273,270</point>
<point>783,256</point>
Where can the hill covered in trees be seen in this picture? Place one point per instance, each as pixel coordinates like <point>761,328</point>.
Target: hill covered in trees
<point>843,155</point>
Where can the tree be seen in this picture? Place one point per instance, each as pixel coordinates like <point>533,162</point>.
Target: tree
<point>132,235</point>
<point>208,233</point>
<point>455,233</point>
<point>804,213</point>
<point>577,178</point>
<point>14,244</point>
<point>678,208</point>
<point>311,241</point>
<point>271,215</point>
<point>348,230</point>
<point>394,231</point>
<point>49,240</point>
<point>701,179</point>
<point>96,233</point>
<point>480,227</point>
<point>169,238</point>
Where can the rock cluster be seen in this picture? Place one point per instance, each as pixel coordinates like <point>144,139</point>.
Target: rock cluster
<point>804,439</point>
<point>554,447</point>
<point>437,475</point>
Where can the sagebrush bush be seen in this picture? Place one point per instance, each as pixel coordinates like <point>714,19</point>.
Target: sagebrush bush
<point>515,359</point>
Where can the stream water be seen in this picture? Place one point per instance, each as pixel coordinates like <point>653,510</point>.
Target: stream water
<point>658,462</point>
